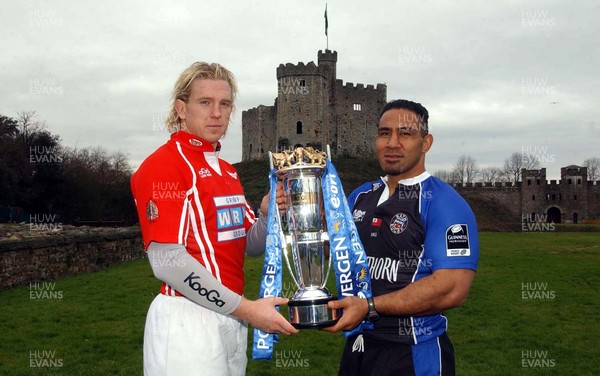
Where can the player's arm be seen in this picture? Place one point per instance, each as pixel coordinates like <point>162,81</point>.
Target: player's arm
<point>257,233</point>
<point>444,289</point>
<point>171,263</point>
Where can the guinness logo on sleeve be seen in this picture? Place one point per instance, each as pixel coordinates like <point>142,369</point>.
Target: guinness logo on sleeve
<point>457,241</point>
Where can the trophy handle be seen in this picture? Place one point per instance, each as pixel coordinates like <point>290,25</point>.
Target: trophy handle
<point>325,238</point>
<point>284,250</point>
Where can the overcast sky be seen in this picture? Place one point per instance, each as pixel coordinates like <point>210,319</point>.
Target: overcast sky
<point>497,77</point>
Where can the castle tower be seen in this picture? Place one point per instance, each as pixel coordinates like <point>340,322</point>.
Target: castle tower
<point>327,62</point>
<point>314,108</point>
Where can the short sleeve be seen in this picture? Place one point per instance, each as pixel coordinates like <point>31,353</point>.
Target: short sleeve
<point>451,238</point>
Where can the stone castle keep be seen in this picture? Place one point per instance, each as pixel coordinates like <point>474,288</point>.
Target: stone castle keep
<point>314,108</point>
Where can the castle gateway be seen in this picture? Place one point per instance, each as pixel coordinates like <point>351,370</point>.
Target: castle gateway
<point>314,108</point>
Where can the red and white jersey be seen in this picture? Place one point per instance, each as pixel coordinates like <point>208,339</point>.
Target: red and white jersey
<point>186,195</point>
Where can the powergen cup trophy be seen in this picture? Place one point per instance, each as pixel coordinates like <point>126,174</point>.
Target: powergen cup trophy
<point>315,234</point>
<point>304,237</point>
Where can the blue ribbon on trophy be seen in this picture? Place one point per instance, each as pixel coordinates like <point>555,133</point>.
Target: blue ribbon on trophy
<point>270,284</point>
<point>308,308</point>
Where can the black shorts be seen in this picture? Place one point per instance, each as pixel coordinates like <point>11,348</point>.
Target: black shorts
<point>435,357</point>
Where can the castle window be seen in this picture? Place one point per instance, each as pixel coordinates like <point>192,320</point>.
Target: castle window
<point>299,127</point>
<point>569,181</point>
<point>357,107</point>
<point>578,180</point>
<point>533,197</point>
<point>538,182</point>
<point>560,196</point>
<point>553,196</point>
<point>528,182</point>
<point>284,144</point>
<point>250,148</point>
<point>302,82</point>
<point>575,197</point>
<point>547,196</point>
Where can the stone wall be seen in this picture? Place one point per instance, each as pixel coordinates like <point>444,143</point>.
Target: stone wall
<point>47,257</point>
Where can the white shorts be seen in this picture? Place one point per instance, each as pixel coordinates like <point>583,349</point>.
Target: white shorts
<point>182,338</point>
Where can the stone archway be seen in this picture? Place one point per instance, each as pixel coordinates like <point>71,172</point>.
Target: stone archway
<point>554,215</point>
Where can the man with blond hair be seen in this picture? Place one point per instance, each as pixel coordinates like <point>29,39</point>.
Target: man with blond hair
<point>197,228</point>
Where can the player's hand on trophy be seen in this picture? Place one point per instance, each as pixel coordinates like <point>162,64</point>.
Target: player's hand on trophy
<point>280,199</point>
<point>262,315</point>
<point>354,312</point>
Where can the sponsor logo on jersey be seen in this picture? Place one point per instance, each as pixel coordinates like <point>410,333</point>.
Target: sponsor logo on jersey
<point>383,269</point>
<point>230,217</point>
<point>151,211</point>
<point>204,172</point>
<point>212,296</point>
<point>457,241</point>
<point>233,174</point>
<point>195,142</point>
<point>399,223</point>
<point>358,215</point>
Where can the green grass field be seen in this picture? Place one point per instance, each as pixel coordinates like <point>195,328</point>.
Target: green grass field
<point>533,310</point>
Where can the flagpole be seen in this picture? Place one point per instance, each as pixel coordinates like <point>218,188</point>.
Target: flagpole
<point>326,26</point>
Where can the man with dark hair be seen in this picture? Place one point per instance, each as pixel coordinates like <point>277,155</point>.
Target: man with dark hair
<point>421,241</point>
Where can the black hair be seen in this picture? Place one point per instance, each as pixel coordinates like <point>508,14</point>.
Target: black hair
<point>415,107</point>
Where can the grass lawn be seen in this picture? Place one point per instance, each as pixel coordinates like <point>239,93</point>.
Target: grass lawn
<point>533,310</point>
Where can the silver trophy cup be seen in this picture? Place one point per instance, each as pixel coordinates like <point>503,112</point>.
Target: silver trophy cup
<point>304,237</point>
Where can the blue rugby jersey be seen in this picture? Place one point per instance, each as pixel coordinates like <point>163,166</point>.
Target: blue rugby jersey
<point>424,226</point>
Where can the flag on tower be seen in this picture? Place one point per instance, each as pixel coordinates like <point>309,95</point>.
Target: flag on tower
<point>326,23</point>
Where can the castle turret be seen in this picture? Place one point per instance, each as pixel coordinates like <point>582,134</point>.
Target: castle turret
<point>327,60</point>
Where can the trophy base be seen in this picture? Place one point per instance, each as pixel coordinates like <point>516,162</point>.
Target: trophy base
<point>312,313</point>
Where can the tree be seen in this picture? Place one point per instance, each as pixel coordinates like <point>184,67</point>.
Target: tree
<point>490,174</point>
<point>465,169</point>
<point>9,160</point>
<point>447,176</point>
<point>593,168</point>
<point>516,162</point>
<point>29,125</point>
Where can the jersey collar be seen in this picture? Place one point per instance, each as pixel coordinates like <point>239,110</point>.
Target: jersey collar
<point>411,181</point>
<point>190,141</point>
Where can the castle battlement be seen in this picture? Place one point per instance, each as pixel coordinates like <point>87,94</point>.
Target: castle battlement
<point>299,69</point>
<point>362,87</point>
<point>327,55</point>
